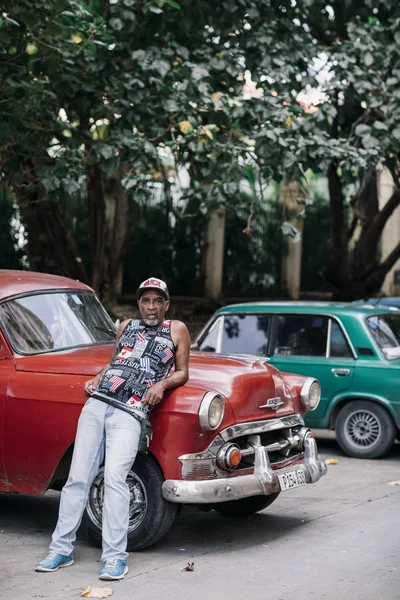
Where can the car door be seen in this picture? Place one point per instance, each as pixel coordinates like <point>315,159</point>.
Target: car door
<point>317,346</point>
<point>6,371</point>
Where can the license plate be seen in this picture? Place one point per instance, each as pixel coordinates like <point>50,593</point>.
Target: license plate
<point>291,479</point>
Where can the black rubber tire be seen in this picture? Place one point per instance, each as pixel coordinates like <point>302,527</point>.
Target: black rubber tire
<point>159,516</point>
<point>375,444</point>
<point>246,506</point>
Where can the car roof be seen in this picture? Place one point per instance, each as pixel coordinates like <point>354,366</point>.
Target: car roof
<point>337,308</point>
<point>14,282</point>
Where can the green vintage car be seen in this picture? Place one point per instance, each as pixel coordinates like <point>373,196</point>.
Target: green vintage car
<point>353,350</point>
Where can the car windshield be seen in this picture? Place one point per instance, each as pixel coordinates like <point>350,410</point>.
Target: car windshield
<point>386,332</point>
<point>55,321</point>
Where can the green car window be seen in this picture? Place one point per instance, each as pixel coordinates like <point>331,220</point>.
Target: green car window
<point>339,345</point>
<point>246,334</point>
<point>301,335</point>
<point>386,332</point>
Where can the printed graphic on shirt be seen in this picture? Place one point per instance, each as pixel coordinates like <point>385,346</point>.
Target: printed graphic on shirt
<point>114,383</point>
<point>111,372</point>
<point>139,348</point>
<point>143,337</point>
<point>145,364</point>
<point>165,354</point>
<point>125,353</point>
<point>164,341</point>
<point>144,355</point>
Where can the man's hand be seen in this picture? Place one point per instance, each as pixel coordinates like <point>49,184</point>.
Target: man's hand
<point>155,394</point>
<point>90,386</point>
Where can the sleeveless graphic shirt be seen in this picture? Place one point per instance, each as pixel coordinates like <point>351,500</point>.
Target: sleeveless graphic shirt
<point>144,355</point>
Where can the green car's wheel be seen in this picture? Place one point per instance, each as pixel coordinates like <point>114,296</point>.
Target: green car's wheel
<point>365,429</point>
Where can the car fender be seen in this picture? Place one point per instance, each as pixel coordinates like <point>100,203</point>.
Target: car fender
<point>341,399</point>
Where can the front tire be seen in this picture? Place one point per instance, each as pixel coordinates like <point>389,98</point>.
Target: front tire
<point>365,429</point>
<point>246,506</point>
<point>150,516</point>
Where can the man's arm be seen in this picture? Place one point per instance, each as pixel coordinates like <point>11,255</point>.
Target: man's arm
<point>90,386</point>
<point>181,338</point>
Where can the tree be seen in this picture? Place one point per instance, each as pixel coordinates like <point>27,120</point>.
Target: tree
<point>352,135</point>
<point>94,95</point>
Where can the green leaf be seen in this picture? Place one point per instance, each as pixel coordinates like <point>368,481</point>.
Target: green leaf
<point>289,230</point>
<point>379,126</point>
<point>396,133</point>
<point>362,129</point>
<point>105,151</point>
<point>129,2</point>
<point>70,186</point>
<point>51,183</point>
<point>368,59</point>
<point>173,4</point>
<point>116,24</point>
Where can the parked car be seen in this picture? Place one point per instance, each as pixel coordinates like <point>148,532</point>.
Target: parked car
<point>381,301</point>
<point>354,351</point>
<point>231,439</point>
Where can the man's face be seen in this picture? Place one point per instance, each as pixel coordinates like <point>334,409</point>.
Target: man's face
<point>153,306</point>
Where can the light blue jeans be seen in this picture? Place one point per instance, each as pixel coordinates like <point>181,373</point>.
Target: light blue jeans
<point>102,431</point>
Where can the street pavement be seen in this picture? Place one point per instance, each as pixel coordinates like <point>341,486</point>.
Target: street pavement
<point>337,539</point>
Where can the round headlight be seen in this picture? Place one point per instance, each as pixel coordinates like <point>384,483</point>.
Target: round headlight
<point>211,411</point>
<point>310,394</point>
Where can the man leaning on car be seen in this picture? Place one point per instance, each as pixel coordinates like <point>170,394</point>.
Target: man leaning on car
<point>133,382</point>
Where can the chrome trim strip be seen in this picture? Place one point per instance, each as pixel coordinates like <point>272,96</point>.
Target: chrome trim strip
<point>328,339</point>
<point>264,481</point>
<point>220,334</point>
<point>260,426</point>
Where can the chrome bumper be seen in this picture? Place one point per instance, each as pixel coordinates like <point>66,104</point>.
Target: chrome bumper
<point>263,481</point>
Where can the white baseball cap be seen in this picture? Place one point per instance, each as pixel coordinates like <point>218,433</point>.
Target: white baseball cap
<point>153,284</point>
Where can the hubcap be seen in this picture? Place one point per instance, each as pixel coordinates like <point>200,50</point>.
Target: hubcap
<point>137,505</point>
<point>363,428</point>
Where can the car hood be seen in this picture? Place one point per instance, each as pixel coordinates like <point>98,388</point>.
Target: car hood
<point>247,382</point>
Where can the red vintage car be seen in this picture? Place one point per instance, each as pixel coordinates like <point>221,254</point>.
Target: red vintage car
<point>231,439</point>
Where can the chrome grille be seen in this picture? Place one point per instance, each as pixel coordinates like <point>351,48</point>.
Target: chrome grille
<point>282,439</point>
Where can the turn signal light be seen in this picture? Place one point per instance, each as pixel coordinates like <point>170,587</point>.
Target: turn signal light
<point>228,457</point>
<point>234,458</point>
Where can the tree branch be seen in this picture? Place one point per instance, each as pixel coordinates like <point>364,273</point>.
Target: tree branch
<point>383,216</point>
<point>388,263</point>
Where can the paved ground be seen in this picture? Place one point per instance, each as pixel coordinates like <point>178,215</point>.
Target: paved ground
<point>337,539</point>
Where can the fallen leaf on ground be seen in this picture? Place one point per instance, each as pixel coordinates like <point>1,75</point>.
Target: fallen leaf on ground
<point>93,592</point>
<point>332,461</point>
<point>190,567</point>
<point>396,482</point>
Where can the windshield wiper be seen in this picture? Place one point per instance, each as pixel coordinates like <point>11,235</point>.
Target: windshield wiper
<point>109,331</point>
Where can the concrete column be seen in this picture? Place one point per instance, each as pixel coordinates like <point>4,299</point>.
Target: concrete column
<point>290,194</point>
<point>391,232</point>
<point>214,253</point>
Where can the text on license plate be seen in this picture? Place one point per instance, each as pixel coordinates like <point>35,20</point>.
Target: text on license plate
<point>292,479</point>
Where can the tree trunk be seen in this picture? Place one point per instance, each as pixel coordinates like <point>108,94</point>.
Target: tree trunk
<point>50,245</point>
<point>356,272</point>
<point>120,227</point>
<point>97,226</point>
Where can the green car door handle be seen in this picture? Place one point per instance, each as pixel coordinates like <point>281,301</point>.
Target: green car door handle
<point>341,372</point>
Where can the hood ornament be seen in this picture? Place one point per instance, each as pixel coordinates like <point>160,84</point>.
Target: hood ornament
<point>273,403</point>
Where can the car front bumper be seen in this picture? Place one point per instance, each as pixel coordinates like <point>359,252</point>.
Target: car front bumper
<point>263,481</point>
